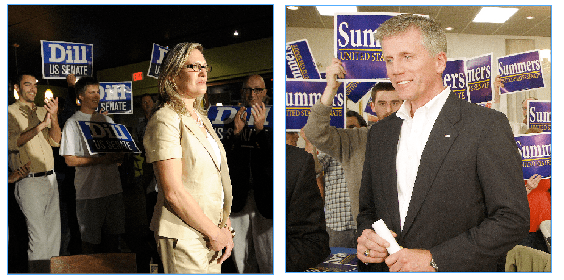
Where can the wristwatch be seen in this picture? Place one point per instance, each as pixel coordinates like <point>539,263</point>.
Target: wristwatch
<point>434,265</point>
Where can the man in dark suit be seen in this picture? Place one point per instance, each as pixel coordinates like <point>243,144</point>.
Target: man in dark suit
<point>307,242</point>
<point>444,174</point>
<point>249,156</point>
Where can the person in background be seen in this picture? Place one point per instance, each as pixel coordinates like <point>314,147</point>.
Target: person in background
<point>338,216</point>
<point>347,146</point>
<point>99,199</point>
<point>32,132</point>
<point>249,154</point>
<point>319,175</point>
<point>307,242</point>
<point>539,197</point>
<point>145,175</point>
<point>354,119</point>
<point>517,127</point>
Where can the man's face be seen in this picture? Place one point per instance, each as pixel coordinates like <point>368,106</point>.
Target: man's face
<point>524,107</point>
<point>352,122</point>
<point>254,91</point>
<point>90,98</point>
<point>27,89</point>
<point>410,67</point>
<point>386,103</point>
<point>147,104</point>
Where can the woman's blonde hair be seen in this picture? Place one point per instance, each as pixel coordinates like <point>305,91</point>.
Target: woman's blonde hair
<point>170,68</point>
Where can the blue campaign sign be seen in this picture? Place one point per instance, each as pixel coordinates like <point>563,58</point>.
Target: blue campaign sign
<point>539,115</point>
<point>60,59</point>
<point>220,116</point>
<point>454,76</point>
<point>520,72</point>
<point>356,90</point>
<point>157,56</point>
<point>103,137</point>
<point>479,78</point>
<point>356,47</point>
<point>302,94</point>
<point>341,259</point>
<point>300,63</point>
<point>116,98</point>
<point>536,153</point>
<point>368,108</point>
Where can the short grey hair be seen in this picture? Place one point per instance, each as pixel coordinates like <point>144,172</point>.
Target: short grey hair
<point>434,38</point>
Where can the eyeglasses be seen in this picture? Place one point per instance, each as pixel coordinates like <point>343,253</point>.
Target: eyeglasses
<point>254,90</point>
<point>199,67</point>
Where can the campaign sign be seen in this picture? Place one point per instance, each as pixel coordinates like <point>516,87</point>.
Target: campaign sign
<point>368,108</point>
<point>300,64</point>
<point>116,98</point>
<point>479,78</point>
<point>520,72</point>
<point>341,259</point>
<point>60,59</point>
<point>356,90</point>
<point>219,116</point>
<point>302,94</point>
<point>454,77</point>
<point>157,56</point>
<point>536,153</point>
<point>103,137</point>
<point>539,115</point>
<point>356,47</point>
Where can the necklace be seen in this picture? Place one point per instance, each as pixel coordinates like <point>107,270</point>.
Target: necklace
<point>198,119</point>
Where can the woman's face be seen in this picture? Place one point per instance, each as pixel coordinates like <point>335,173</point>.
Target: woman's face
<point>190,83</point>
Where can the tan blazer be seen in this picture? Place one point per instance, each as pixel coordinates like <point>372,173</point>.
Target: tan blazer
<point>168,135</point>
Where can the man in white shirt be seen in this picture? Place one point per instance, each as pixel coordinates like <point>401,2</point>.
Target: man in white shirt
<point>444,174</point>
<point>99,202</point>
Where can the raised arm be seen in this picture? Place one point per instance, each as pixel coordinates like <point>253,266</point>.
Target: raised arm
<point>336,142</point>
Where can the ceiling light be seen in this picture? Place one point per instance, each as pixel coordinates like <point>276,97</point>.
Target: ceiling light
<point>331,10</point>
<point>530,17</point>
<point>235,33</point>
<point>449,28</point>
<point>494,14</point>
<point>48,94</point>
<point>293,8</point>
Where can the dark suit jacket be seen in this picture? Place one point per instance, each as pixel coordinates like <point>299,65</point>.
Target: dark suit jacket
<point>468,206</point>
<point>307,242</point>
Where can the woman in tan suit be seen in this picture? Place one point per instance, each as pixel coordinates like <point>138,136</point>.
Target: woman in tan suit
<point>191,218</point>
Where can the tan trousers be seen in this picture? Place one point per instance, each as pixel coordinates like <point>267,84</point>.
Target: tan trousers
<point>187,256</point>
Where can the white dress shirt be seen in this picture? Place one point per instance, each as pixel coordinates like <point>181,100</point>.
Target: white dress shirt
<point>413,137</point>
